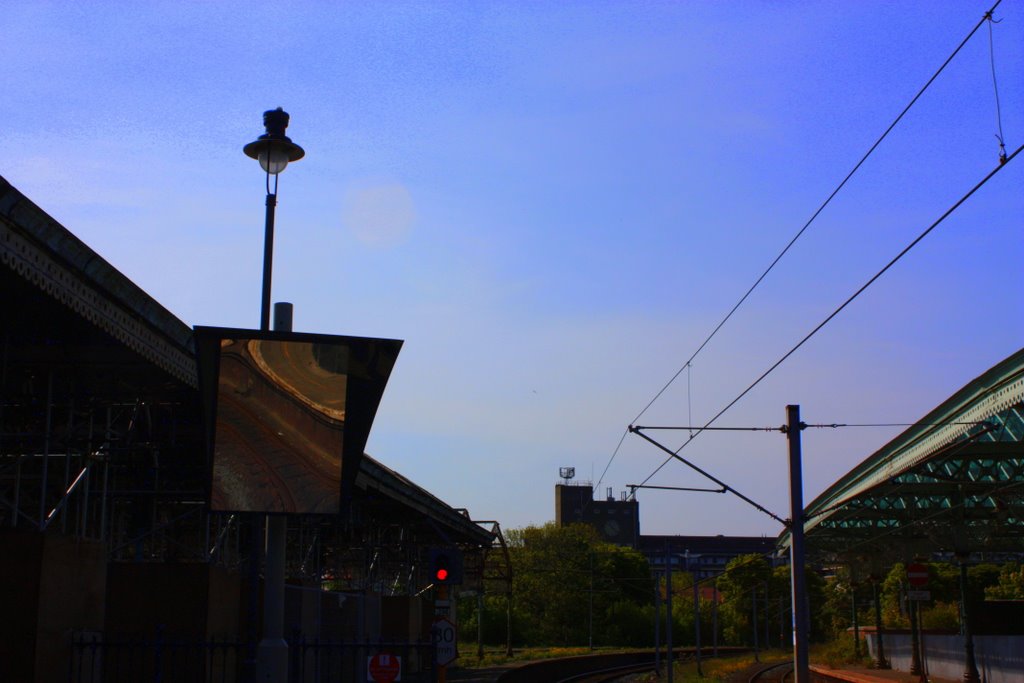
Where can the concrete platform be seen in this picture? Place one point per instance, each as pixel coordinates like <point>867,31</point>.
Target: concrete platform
<point>876,675</point>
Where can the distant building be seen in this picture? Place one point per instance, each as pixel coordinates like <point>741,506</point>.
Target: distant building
<point>706,556</point>
<point>616,521</point>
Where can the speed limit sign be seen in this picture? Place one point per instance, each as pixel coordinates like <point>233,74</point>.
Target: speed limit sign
<point>445,643</point>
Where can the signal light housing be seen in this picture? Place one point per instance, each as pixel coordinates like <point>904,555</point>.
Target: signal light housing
<point>445,566</point>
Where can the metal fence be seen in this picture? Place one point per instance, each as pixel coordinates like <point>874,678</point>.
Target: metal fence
<point>158,658</point>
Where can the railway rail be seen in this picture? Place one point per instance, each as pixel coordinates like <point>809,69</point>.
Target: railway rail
<point>600,668</point>
<point>779,672</point>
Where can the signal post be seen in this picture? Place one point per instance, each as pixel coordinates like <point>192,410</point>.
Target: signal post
<point>445,571</point>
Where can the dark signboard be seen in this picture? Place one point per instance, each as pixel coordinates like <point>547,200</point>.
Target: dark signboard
<point>287,415</point>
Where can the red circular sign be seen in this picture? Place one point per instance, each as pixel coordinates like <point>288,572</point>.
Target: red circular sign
<point>917,575</point>
<point>385,668</point>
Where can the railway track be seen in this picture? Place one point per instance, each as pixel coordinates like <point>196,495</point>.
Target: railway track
<point>610,674</point>
<point>595,668</point>
<point>780,672</point>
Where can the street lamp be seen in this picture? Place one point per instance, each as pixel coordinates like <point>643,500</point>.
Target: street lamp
<point>274,150</point>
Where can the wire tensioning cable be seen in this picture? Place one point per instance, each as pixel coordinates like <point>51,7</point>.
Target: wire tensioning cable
<point>806,225</point>
<point>995,86</point>
<point>842,306</point>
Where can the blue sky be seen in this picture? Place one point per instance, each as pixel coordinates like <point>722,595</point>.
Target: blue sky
<point>553,204</point>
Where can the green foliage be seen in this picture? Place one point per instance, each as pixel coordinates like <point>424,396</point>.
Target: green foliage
<point>564,577</point>
<point>1009,584</point>
<point>980,578</point>
<point>941,612</point>
<point>839,653</point>
<point>627,624</point>
<point>750,576</point>
<point>744,576</point>
<point>943,616</point>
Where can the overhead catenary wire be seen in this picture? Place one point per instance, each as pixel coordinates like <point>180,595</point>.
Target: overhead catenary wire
<point>841,307</point>
<point>829,425</point>
<point>814,216</point>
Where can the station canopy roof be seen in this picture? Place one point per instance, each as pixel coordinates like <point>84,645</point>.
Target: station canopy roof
<point>953,482</point>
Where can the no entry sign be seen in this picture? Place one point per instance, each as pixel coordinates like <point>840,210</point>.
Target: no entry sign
<point>384,668</point>
<point>917,575</point>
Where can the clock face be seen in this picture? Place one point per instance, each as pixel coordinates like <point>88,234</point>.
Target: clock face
<point>611,528</point>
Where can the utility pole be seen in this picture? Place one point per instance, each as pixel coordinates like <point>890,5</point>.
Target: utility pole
<point>801,618</point>
<point>714,622</point>
<point>696,619</point>
<point>753,607</point>
<point>590,613</point>
<point>657,622</point>
<point>668,608</point>
<point>856,626</point>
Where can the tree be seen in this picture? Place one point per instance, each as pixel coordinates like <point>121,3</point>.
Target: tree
<point>744,577</point>
<point>1010,584</point>
<point>565,580</point>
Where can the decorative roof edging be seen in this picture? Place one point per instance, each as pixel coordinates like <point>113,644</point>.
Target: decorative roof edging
<point>29,255</point>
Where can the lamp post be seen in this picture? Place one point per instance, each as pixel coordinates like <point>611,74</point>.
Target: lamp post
<point>274,150</point>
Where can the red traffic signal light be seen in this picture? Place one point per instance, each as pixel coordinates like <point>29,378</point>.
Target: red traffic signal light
<point>441,567</point>
<point>445,566</point>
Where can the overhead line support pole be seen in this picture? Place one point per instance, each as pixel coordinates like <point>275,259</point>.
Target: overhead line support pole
<point>801,616</point>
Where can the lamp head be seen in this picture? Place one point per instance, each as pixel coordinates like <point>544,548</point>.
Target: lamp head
<point>274,150</point>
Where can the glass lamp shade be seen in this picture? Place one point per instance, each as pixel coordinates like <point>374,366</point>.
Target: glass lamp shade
<point>273,158</point>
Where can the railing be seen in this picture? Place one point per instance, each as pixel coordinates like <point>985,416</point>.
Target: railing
<point>96,658</point>
<point>160,659</point>
<point>320,660</point>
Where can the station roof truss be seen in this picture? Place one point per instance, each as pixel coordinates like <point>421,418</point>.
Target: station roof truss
<point>954,482</point>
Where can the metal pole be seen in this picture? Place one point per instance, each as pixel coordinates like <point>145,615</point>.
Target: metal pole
<point>103,500</point>
<point>46,450</point>
<point>696,620</point>
<point>590,612</point>
<point>801,617</point>
<point>923,678</point>
<point>273,650</point>
<point>970,665</point>
<point>782,622</point>
<point>17,493</point>
<point>255,560</point>
<point>856,626</point>
<point>268,260</point>
<point>767,621</point>
<point>85,500</point>
<point>480,624</point>
<point>67,456</point>
<point>714,622</point>
<point>753,607</point>
<point>668,616</point>
<point>657,623</point>
<point>508,620</point>
<point>915,650</point>
<point>880,661</point>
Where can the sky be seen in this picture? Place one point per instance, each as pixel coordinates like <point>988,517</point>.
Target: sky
<point>554,204</point>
